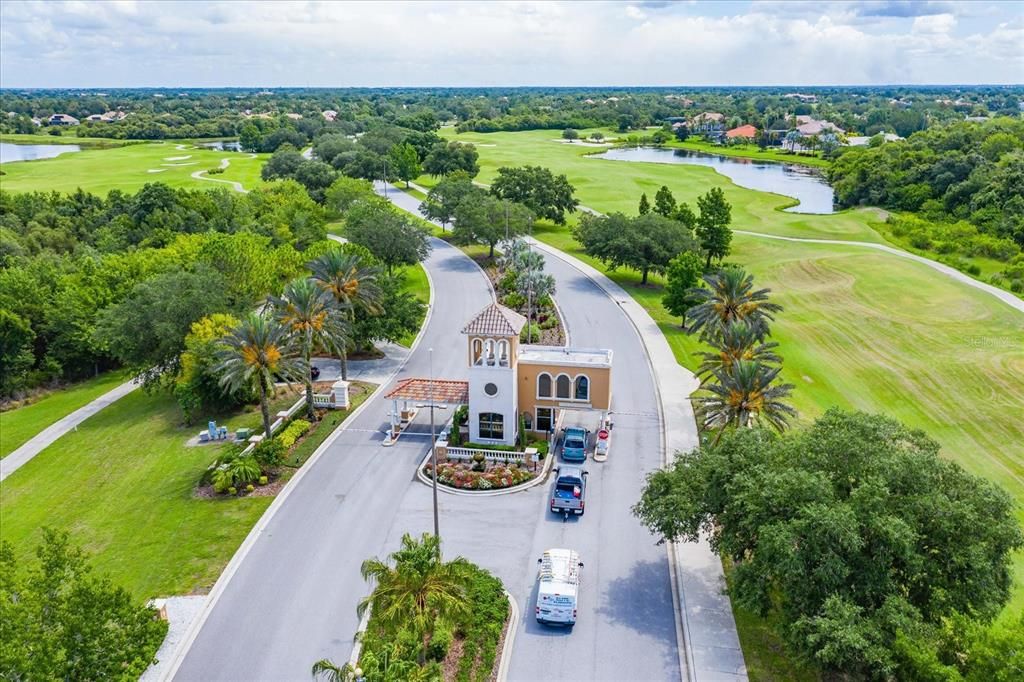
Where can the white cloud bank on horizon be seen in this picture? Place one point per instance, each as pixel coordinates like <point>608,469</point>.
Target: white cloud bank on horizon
<point>276,44</point>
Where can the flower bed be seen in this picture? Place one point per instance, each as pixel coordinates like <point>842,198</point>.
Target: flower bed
<point>466,476</point>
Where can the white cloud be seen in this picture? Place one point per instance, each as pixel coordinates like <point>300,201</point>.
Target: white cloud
<point>81,44</point>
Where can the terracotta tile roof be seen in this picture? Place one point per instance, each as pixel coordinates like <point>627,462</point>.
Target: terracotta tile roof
<point>419,390</point>
<point>496,320</point>
<point>743,131</point>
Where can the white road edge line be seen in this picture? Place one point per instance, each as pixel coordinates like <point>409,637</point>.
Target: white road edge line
<point>510,638</point>
<point>257,530</point>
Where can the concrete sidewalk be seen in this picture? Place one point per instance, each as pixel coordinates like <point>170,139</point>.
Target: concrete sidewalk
<point>46,437</point>
<point>712,644</point>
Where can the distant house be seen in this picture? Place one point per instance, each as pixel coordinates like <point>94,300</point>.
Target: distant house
<point>807,99</point>
<point>744,132</point>
<point>976,119</point>
<point>814,127</point>
<point>710,123</point>
<point>863,140</point>
<point>108,116</point>
<point>329,114</point>
<point>62,120</point>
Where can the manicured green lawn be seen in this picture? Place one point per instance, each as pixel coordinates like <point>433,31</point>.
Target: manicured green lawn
<point>124,486</point>
<point>861,329</point>
<point>130,167</point>
<point>104,142</point>
<point>416,284</point>
<point>21,424</point>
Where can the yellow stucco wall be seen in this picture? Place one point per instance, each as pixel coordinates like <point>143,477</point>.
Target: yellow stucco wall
<point>600,386</point>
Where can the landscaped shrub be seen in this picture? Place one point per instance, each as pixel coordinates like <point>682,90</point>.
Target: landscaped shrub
<point>530,333</point>
<point>514,300</point>
<point>461,475</point>
<point>507,283</point>
<point>232,490</point>
<point>293,432</point>
<point>439,644</point>
<point>249,488</point>
<point>270,452</point>
<point>234,471</point>
<point>263,480</point>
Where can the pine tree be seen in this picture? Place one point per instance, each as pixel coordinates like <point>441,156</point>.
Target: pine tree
<point>645,206</point>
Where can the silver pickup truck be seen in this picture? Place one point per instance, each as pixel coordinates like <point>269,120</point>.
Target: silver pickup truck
<point>570,490</point>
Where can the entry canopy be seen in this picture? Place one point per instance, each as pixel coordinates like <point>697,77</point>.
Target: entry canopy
<point>436,390</point>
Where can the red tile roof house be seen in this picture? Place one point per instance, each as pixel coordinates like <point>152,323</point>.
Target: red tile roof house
<point>747,132</point>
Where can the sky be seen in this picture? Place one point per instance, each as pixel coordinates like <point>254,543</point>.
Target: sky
<point>97,44</point>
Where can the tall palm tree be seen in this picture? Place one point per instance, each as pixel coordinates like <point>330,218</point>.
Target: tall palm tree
<point>352,283</point>
<point>256,351</point>
<point>737,341</point>
<point>730,297</point>
<point>743,397</point>
<point>418,591</point>
<point>316,320</point>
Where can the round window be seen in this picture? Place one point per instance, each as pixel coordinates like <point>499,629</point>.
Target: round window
<point>491,389</point>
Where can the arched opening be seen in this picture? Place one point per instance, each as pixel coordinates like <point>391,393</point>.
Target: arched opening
<point>492,426</point>
<point>582,391</point>
<point>563,386</point>
<point>544,385</point>
<point>489,351</point>
<point>478,351</point>
<point>503,353</point>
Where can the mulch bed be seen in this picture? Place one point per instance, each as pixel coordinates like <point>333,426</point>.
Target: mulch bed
<point>548,337</point>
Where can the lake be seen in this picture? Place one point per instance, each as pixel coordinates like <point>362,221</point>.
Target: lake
<point>807,185</point>
<point>222,146</point>
<point>30,152</point>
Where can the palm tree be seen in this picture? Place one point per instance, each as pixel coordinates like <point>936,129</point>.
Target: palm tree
<point>730,297</point>
<point>316,320</point>
<point>254,352</point>
<point>352,283</point>
<point>743,396</point>
<point>418,591</point>
<point>737,341</point>
<point>325,668</point>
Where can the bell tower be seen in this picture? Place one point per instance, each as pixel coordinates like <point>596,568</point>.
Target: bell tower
<point>492,339</point>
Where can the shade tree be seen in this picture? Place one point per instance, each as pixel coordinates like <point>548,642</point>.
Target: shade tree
<point>646,243</point>
<point>714,216</point>
<point>445,196</point>
<point>546,194</point>
<point>486,219</point>
<point>449,157</point>
<point>390,235</point>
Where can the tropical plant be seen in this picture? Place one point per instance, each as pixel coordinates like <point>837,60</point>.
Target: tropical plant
<point>325,668</point>
<point>315,319</point>
<point>418,590</point>
<point>730,297</point>
<point>255,352</point>
<point>737,341</point>
<point>352,283</point>
<point>744,396</point>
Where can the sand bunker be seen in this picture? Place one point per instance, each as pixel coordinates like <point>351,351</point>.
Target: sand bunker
<point>156,170</point>
<point>177,158</point>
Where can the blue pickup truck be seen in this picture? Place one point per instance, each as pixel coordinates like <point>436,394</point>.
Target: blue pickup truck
<point>574,444</point>
<point>570,490</point>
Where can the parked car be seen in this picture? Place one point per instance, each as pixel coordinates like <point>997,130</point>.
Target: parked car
<point>558,582</point>
<point>574,444</point>
<point>568,495</point>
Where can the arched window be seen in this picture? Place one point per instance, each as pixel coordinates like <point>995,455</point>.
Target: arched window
<point>582,388</point>
<point>503,353</point>
<point>544,385</point>
<point>489,351</point>
<point>563,386</point>
<point>478,351</point>
<point>492,426</point>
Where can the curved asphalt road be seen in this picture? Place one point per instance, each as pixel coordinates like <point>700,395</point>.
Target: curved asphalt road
<point>292,599</point>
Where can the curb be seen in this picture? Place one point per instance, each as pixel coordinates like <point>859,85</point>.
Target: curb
<point>441,487</point>
<point>268,515</point>
<point>510,638</point>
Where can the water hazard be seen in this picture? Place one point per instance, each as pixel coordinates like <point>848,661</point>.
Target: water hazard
<point>807,185</point>
<point>31,152</point>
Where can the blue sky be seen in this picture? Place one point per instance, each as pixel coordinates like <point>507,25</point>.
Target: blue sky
<point>275,44</point>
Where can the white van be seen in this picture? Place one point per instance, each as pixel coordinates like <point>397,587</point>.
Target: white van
<point>558,584</point>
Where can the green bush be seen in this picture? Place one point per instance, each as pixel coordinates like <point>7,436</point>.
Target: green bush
<point>232,490</point>
<point>549,323</point>
<point>293,432</point>
<point>263,480</point>
<point>973,269</point>
<point>249,488</point>
<point>440,643</point>
<point>270,452</point>
<point>514,300</point>
<point>530,333</point>
<point>508,282</point>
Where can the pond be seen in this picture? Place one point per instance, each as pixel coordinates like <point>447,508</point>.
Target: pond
<point>807,185</point>
<point>222,145</point>
<point>30,152</point>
